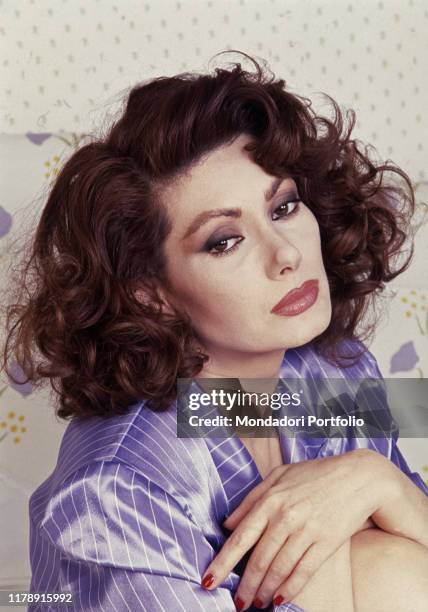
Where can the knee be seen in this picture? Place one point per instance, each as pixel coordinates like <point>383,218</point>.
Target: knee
<point>388,568</point>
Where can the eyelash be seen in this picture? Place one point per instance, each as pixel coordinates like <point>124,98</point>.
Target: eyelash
<point>209,246</point>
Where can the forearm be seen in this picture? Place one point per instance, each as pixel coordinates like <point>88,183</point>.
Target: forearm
<point>403,507</point>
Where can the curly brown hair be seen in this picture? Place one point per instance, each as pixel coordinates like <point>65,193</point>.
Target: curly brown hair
<point>93,311</point>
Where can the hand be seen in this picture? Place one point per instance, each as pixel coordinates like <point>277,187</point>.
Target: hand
<point>298,516</point>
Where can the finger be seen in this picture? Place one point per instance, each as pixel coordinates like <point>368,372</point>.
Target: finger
<point>263,562</point>
<point>309,563</point>
<point>242,539</point>
<point>282,565</point>
<point>248,502</point>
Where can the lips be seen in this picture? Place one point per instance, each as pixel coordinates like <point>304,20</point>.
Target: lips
<point>306,294</point>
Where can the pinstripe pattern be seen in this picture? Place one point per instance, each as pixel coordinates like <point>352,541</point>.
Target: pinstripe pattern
<point>131,515</point>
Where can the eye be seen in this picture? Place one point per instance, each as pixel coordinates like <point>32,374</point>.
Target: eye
<point>286,209</point>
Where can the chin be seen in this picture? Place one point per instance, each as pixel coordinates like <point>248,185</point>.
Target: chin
<point>302,334</point>
<point>300,340</point>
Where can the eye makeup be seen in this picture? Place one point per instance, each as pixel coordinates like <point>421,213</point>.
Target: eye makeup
<point>215,241</point>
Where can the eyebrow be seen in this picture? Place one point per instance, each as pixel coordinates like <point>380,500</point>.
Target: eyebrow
<point>207,215</point>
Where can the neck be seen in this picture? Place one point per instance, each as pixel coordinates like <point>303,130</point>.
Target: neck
<point>262,367</point>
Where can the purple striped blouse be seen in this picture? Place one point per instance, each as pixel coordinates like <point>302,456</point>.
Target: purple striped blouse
<point>131,515</point>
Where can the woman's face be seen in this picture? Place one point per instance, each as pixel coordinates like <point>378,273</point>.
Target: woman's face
<point>229,270</point>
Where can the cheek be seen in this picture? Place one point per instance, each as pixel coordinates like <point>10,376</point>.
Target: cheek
<point>200,295</point>
<point>215,305</point>
<point>312,237</point>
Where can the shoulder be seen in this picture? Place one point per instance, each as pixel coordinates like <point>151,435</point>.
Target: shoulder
<point>144,444</point>
<point>142,439</point>
<point>355,387</point>
<point>106,512</point>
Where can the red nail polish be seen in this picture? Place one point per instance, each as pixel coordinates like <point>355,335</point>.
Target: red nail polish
<point>239,603</point>
<point>257,603</point>
<point>278,600</point>
<point>207,581</point>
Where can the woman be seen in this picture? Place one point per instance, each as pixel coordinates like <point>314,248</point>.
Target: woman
<point>164,252</point>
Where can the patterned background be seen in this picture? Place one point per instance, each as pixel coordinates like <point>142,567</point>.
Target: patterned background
<point>65,67</point>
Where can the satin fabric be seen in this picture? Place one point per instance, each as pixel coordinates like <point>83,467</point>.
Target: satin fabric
<point>132,515</point>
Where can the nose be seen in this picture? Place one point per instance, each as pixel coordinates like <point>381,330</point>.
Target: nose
<point>283,254</point>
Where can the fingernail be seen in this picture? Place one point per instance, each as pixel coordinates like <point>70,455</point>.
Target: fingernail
<point>207,581</point>
<point>239,603</point>
<point>278,600</point>
<point>257,603</point>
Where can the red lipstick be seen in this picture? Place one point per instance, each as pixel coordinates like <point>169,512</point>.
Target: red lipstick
<point>298,300</point>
